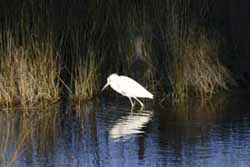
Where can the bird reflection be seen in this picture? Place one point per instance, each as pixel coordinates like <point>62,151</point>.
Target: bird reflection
<point>130,125</point>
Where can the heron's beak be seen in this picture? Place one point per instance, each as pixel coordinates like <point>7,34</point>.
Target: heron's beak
<point>105,86</point>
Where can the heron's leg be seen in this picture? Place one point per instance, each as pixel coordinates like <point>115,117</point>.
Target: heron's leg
<point>142,105</point>
<point>131,101</point>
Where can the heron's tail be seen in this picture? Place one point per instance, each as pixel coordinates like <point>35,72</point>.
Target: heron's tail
<point>150,95</point>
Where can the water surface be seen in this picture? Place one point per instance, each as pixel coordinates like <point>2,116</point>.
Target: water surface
<point>106,133</point>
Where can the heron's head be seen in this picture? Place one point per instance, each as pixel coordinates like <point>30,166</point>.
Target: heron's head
<point>110,79</point>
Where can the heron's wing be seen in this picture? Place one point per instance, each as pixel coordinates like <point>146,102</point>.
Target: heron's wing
<point>132,88</point>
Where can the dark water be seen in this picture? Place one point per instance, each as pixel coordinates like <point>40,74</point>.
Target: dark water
<point>106,133</point>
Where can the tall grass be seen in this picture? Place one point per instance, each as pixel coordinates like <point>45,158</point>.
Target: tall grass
<point>191,55</point>
<point>157,42</point>
<point>85,63</point>
<point>86,79</point>
<point>196,67</point>
<point>29,74</point>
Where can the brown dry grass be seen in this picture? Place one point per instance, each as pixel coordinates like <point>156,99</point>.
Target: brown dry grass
<point>195,66</point>
<point>86,79</point>
<point>28,74</point>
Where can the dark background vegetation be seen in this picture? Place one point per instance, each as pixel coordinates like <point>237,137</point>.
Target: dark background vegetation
<point>232,19</point>
<point>145,39</point>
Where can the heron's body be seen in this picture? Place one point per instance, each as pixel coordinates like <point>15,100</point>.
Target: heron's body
<point>128,87</point>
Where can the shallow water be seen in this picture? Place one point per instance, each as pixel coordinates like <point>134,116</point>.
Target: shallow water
<point>106,133</point>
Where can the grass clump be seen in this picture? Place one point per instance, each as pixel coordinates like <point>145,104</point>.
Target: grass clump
<point>187,53</point>
<point>86,78</point>
<point>28,74</point>
<point>157,42</point>
<point>195,67</point>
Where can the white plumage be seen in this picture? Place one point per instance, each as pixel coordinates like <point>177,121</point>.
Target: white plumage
<point>128,87</point>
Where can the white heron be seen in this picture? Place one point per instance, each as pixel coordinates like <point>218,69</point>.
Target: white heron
<point>128,87</point>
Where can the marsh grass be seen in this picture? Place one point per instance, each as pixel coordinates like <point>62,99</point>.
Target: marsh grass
<point>196,69</point>
<point>86,79</point>
<point>29,74</point>
<point>94,39</point>
<point>86,64</point>
<point>192,55</point>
